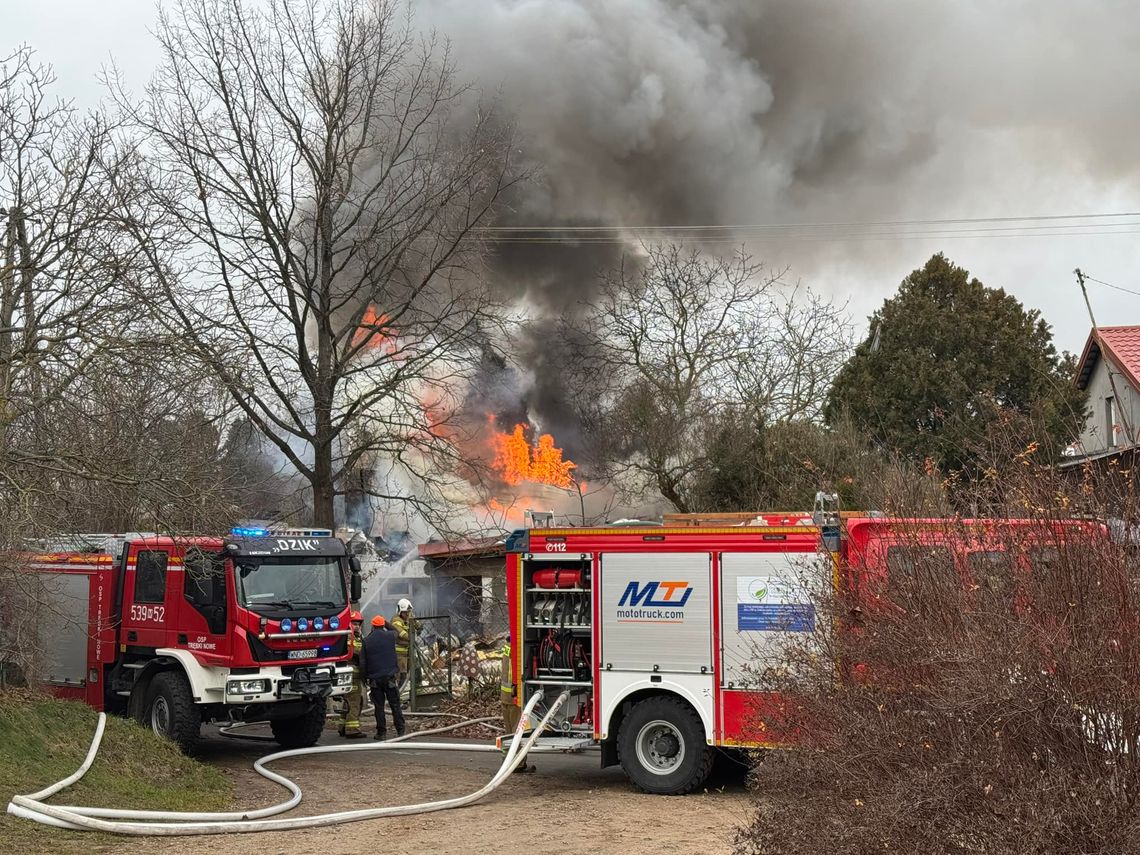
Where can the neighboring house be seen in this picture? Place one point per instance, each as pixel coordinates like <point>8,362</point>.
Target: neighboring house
<point>1109,370</point>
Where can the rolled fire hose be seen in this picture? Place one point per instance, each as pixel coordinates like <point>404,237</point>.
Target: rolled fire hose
<point>173,823</point>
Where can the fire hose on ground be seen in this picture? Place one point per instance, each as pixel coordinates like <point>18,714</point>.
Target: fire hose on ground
<point>230,730</point>
<point>174,823</point>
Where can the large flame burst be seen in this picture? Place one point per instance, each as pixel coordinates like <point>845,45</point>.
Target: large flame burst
<point>517,460</point>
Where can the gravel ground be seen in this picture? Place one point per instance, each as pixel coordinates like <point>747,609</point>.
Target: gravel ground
<point>569,806</point>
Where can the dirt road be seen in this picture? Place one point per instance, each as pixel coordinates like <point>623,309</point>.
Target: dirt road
<point>569,806</point>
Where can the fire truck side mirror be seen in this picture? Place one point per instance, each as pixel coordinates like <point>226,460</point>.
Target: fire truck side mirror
<point>356,588</point>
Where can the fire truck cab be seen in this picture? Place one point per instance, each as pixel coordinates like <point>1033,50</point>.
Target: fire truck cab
<point>180,631</point>
<point>652,630</point>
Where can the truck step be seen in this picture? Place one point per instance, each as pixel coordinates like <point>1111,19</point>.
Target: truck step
<point>565,744</point>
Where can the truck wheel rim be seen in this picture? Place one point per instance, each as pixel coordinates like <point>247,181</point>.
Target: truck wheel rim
<point>660,747</point>
<point>160,717</point>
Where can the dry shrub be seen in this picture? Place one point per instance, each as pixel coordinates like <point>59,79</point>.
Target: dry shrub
<point>984,699</point>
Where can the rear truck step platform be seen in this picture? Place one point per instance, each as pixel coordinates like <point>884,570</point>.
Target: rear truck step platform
<point>550,744</point>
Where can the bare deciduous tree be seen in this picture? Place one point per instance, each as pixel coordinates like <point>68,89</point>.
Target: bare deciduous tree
<point>103,424</point>
<point>677,342</point>
<point>64,298</point>
<point>309,211</point>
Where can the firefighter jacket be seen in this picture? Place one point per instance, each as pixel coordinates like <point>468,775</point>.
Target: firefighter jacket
<point>356,647</point>
<point>403,629</point>
<point>506,684</point>
<point>378,656</point>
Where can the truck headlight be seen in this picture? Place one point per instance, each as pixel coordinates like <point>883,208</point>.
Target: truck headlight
<point>344,679</point>
<point>247,687</point>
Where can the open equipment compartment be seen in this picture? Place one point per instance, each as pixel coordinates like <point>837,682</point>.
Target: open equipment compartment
<point>557,610</point>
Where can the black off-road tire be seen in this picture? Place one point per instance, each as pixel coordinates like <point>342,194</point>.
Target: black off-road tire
<point>301,731</point>
<point>671,717</point>
<point>169,710</point>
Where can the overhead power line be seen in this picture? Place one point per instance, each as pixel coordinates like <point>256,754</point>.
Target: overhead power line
<point>664,227</point>
<point>1088,278</point>
<point>1045,225</point>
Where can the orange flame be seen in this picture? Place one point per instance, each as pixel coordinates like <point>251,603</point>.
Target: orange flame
<point>374,331</point>
<point>516,460</point>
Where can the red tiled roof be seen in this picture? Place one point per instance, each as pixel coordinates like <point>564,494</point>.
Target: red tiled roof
<point>1121,344</point>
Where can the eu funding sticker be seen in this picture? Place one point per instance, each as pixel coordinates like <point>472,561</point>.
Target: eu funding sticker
<point>772,604</point>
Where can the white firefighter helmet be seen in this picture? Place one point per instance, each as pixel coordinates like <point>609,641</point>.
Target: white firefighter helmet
<point>405,605</point>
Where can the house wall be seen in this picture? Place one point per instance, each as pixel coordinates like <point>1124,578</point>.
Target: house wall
<point>386,584</point>
<point>1095,437</point>
<point>473,591</point>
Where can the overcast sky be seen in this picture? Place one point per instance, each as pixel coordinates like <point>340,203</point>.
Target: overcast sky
<point>1033,112</point>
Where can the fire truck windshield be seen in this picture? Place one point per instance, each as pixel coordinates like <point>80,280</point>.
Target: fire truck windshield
<point>293,582</point>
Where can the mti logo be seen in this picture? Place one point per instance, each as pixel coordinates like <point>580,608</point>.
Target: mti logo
<point>648,594</point>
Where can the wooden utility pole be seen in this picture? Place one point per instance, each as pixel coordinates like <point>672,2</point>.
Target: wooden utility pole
<point>1100,344</point>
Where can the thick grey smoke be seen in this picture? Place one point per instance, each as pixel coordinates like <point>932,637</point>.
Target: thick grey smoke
<point>745,111</point>
<point>681,112</point>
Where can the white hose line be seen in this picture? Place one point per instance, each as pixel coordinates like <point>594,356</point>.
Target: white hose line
<point>30,807</point>
<point>228,730</point>
<point>18,810</point>
<point>47,792</point>
<point>259,767</point>
<point>282,807</point>
<point>447,728</point>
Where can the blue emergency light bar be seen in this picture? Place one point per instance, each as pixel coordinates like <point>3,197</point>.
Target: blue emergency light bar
<point>293,532</point>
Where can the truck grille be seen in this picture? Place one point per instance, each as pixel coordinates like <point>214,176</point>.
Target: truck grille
<point>261,653</point>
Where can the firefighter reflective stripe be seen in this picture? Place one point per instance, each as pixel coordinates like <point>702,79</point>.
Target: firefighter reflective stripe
<point>506,684</point>
<point>402,628</point>
<point>353,704</point>
<point>355,645</point>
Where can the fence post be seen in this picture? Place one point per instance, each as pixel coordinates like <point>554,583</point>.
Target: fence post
<point>450,660</point>
<point>413,662</point>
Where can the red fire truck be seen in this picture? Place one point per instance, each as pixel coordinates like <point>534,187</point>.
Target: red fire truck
<point>179,631</point>
<point>653,629</point>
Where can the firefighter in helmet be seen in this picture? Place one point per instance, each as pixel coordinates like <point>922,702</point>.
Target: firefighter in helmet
<point>404,625</point>
<point>511,711</point>
<point>354,701</point>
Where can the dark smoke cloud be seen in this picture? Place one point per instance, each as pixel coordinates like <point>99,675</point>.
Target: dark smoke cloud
<point>784,111</point>
<point>680,112</point>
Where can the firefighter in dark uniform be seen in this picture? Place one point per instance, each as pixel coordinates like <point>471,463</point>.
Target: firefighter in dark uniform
<point>381,668</point>
<point>354,701</point>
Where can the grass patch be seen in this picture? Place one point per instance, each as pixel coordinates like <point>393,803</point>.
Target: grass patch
<point>43,740</point>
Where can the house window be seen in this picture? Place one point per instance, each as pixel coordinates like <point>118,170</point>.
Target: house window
<point>1110,417</point>
<point>398,588</point>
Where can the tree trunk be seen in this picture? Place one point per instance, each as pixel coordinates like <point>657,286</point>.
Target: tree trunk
<point>324,491</point>
<point>7,309</point>
<point>8,300</point>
